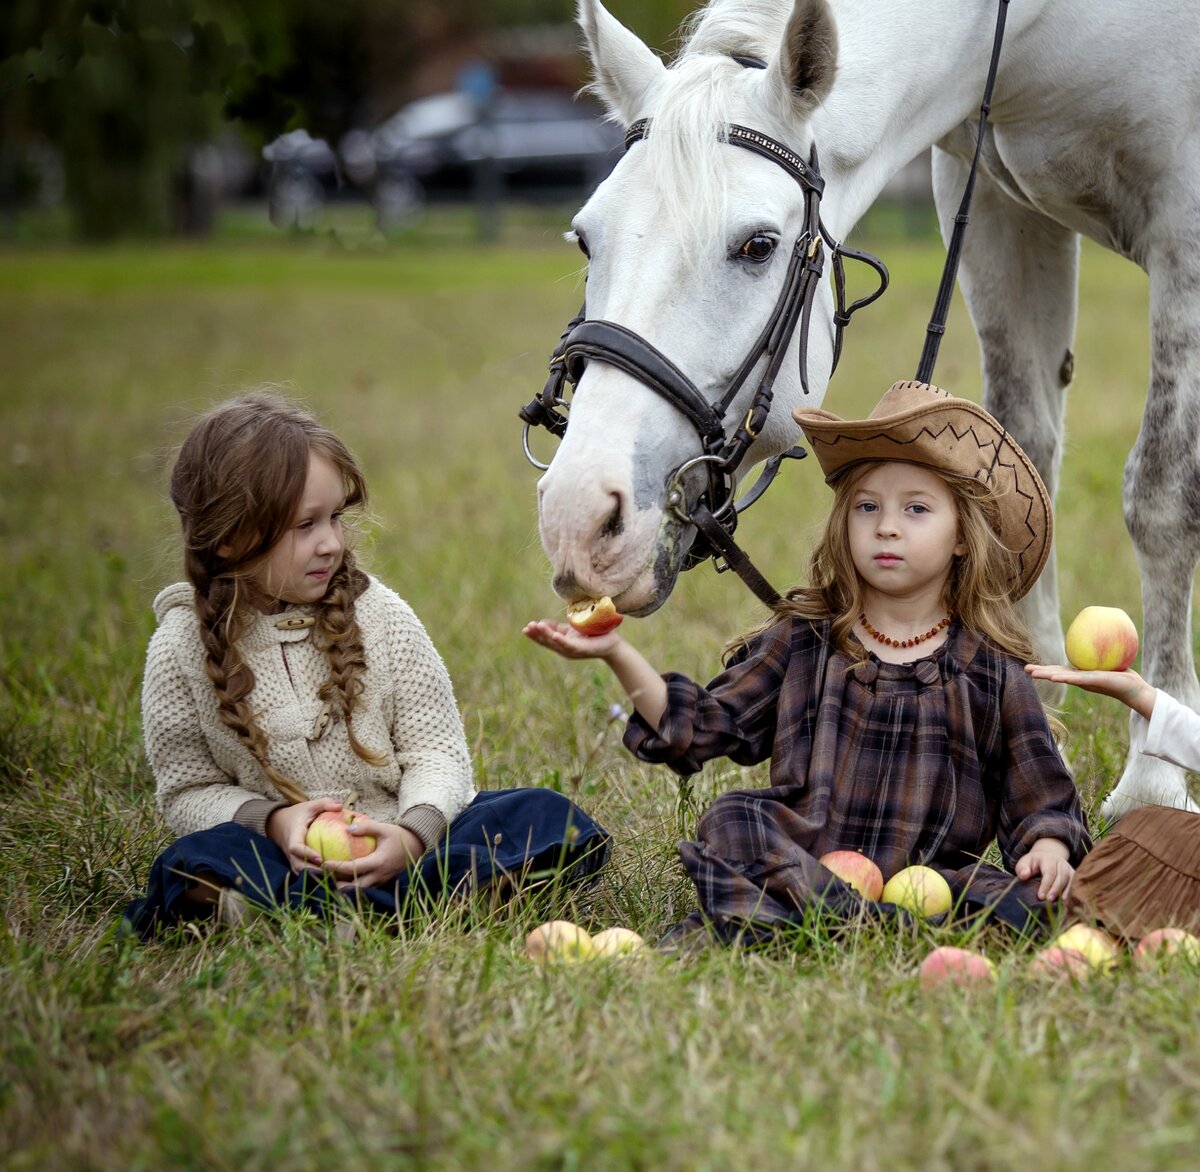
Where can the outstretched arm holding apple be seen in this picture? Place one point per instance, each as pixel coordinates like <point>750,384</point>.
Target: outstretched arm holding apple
<point>644,686</point>
<point>1126,686</point>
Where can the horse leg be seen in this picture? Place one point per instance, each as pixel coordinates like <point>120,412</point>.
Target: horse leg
<point>1019,277</point>
<point>1162,509</point>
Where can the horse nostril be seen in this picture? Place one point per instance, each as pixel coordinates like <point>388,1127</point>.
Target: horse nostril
<point>614,523</point>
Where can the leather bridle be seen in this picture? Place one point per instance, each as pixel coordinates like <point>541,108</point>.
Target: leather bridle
<point>715,511</point>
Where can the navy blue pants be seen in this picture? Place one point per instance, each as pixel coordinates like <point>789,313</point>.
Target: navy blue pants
<point>515,834</point>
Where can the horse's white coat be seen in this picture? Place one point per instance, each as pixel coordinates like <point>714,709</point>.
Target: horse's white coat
<point>1086,136</point>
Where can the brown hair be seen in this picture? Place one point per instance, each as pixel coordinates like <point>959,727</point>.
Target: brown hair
<point>977,589</point>
<point>236,485</point>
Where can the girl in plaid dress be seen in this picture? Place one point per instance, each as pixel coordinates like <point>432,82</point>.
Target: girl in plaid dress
<point>889,694</point>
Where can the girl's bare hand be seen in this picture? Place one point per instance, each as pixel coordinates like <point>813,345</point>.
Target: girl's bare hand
<point>288,826</point>
<point>1126,686</point>
<point>563,639</point>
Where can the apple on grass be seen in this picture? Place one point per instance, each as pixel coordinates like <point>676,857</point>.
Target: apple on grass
<point>1098,948</point>
<point>919,889</point>
<point>956,966</point>
<point>329,837</point>
<point>1062,964</point>
<point>614,943</point>
<point>1102,638</point>
<point>1166,946</point>
<point>855,868</point>
<point>594,616</point>
<point>559,942</point>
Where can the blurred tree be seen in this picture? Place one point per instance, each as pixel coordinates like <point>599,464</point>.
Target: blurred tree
<point>127,90</point>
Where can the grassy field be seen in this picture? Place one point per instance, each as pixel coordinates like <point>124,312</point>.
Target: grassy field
<point>445,1049</point>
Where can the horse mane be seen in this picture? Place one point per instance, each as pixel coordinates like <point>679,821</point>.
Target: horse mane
<point>691,112</point>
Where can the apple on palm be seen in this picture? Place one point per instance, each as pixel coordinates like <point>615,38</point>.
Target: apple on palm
<point>1102,638</point>
<point>594,616</point>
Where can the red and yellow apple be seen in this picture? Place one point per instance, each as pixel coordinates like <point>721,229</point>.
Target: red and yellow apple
<point>855,868</point>
<point>919,889</point>
<point>1061,964</point>
<point>1166,946</point>
<point>956,966</point>
<point>1098,948</point>
<point>594,616</point>
<point>1102,638</point>
<point>559,942</point>
<point>329,837</point>
<point>614,943</point>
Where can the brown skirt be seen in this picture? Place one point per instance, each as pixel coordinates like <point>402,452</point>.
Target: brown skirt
<point>1144,874</point>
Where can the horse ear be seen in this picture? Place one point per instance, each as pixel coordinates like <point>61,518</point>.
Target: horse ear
<point>624,68</point>
<point>807,59</point>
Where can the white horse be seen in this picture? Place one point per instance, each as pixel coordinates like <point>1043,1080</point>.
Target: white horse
<point>1094,129</point>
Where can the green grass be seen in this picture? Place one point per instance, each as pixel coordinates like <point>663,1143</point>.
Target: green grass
<point>445,1049</point>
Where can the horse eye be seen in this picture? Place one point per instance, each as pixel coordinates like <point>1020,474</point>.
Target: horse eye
<point>758,248</point>
<point>583,247</point>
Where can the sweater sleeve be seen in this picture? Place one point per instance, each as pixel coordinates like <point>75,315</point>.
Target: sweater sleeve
<point>427,732</point>
<point>1038,796</point>
<point>191,790</point>
<point>1171,734</point>
<point>734,716</point>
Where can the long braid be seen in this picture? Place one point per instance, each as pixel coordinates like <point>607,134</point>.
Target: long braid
<point>232,678</point>
<point>338,628</point>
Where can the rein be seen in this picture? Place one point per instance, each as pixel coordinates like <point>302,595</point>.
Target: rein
<point>936,329</point>
<point>715,512</point>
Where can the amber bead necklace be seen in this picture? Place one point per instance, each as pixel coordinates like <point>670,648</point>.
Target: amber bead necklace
<point>888,641</point>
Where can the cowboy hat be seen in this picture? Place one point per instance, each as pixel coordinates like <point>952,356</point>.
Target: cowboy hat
<point>923,424</point>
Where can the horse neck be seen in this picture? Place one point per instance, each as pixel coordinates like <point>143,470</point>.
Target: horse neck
<point>908,72</point>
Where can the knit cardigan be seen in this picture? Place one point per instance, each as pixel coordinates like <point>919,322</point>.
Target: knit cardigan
<point>205,776</point>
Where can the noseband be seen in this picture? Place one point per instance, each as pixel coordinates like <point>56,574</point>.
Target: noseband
<point>715,511</point>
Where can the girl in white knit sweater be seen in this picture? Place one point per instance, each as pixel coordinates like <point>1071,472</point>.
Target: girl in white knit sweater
<point>284,683</point>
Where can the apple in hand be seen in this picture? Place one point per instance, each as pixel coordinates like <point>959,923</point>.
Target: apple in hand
<point>919,889</point>
<point>855,868</point>
<point>594,616</point>
<point>329,837</point>
<point>956,966</point>
<point>1102,638</point>
<point>1166,946</point>
<point>559,942</point>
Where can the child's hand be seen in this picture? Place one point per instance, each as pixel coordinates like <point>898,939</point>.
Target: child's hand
<point>288,826</point>
<point>396,848</point>
<point>1048,857</point>
<point>1126,686</point>
<point>569,643</point>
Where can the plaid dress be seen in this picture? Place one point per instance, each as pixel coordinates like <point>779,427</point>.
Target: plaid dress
<point>925,762</point>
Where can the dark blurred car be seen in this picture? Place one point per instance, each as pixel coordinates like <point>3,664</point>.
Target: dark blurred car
<point>540,142</point>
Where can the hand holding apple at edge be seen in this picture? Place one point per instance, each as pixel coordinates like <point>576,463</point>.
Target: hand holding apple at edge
<point>644,686</point>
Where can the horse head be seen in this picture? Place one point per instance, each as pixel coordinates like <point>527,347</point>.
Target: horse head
<point>691,245</point>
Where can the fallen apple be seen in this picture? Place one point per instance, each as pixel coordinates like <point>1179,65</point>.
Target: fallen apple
<point>1102,638</point>
<point>594,616</point>
<point>1166,946</point>
<point>1061,964</point>
<point>329,837</point>
<point>919,889</point>
<point>1097,946</point>
<point>956,966</point>
<point>855,868</point>
<point>559,942</point>
<point>613,943</point>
